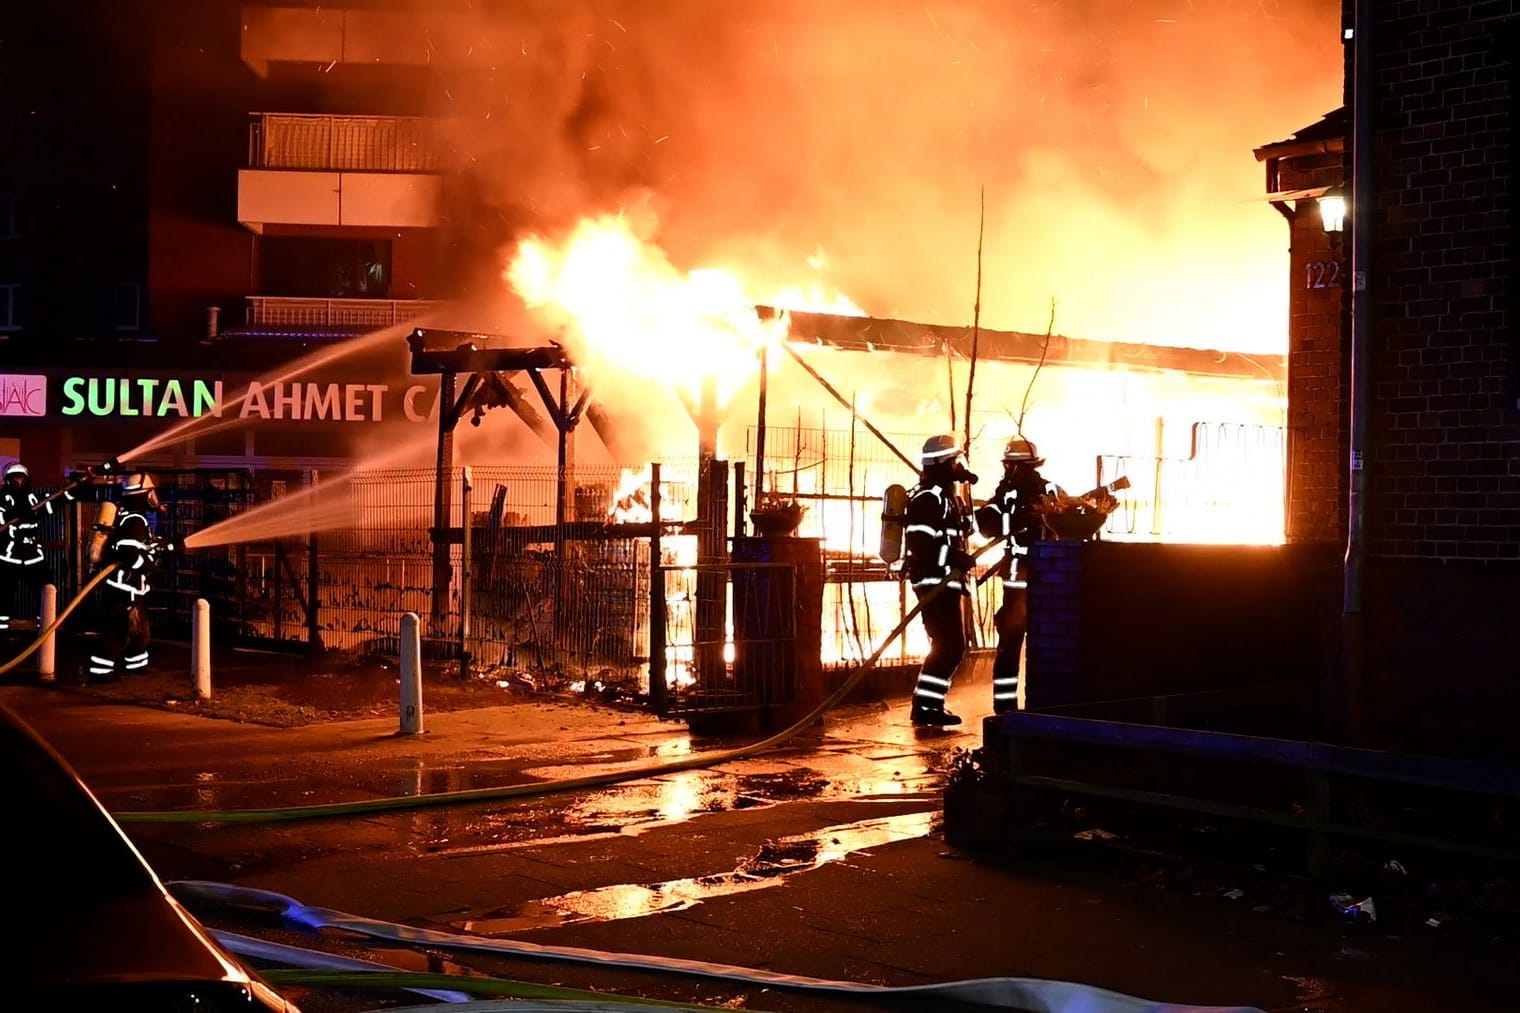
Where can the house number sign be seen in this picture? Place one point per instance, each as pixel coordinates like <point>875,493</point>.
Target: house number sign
<point>1322,274</point>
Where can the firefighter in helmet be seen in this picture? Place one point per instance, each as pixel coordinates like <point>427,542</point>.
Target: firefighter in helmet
<point>936,562</point>
<point>22,566</point>
<point>134,549</point>
<point>1010,515</point>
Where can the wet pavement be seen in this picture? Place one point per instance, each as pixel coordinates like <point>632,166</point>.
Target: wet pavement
<point>822,857</point>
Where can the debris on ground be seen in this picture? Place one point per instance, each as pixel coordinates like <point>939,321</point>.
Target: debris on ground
<point>1353,909</point>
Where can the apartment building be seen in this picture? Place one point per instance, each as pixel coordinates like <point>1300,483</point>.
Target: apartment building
<point>215,190</point>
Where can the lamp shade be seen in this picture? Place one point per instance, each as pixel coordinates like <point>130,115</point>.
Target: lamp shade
<point>1332,209</point>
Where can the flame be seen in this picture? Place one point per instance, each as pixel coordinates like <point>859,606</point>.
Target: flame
<point>633,313</point>
<point>630,501</point>
<point>815,297</point>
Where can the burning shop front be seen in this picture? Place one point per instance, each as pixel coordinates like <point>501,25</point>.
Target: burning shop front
<point>765,545</point>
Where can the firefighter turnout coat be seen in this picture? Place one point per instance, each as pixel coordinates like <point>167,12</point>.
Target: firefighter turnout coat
<point>935,540</point>
<point>134,549</point>
<point>19,543</point>
<point>1010,515</point>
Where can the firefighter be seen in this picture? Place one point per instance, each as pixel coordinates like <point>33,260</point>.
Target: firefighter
<point>21,561</point>
<point>132,546</point>
<point>1010,516</point>
<point>936,561</point>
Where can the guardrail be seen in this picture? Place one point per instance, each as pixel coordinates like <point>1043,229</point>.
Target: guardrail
<point>280,311</point>
<point>353,143</point>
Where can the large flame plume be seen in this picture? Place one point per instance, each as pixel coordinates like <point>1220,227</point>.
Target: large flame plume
<point>1115,155</point>
<point>628,313</point>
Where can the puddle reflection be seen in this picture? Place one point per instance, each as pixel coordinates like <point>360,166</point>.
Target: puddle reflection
<point>771,864</point>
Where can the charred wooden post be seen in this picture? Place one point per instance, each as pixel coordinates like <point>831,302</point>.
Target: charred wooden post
<point>765,364</point>
<point>658,697</point>
<point>711,621</point>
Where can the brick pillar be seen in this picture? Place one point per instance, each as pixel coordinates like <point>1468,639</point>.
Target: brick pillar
<point>1318,360</point>
<point>1053,646</point>
<point>789,676</point>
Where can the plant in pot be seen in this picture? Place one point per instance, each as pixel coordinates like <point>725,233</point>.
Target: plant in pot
<point>777,513</point>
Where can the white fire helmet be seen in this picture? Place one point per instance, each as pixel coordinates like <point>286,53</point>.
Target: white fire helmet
<point>1022,451</point>
<point>939,449</point>
<point>139,483</point>
<point>16,470</point>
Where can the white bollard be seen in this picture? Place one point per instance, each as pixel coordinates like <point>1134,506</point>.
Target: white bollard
<point>200,648</point>
<point>411,674</point>
<point>47,654</point>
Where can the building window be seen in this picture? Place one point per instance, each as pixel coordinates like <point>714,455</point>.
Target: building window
<point>128,307</point>
<point>10,307</point>
<point>8,216</point>
<point>325,268</point>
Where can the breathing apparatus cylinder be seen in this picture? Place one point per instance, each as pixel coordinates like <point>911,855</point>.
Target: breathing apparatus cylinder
<point>105,519</point>
<point>894,515</point>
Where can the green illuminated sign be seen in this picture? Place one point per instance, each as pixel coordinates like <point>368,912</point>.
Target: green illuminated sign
<point>149,397</point>
<point>141,396</point>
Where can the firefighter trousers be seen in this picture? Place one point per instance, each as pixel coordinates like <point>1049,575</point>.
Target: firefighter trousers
<point>124,637</point>
<point>947,645</point>
<point>1012,620</point>
<point>14,579</point>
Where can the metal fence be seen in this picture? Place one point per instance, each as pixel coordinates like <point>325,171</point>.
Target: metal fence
<point>521,595</point>
<point>1231,487</point>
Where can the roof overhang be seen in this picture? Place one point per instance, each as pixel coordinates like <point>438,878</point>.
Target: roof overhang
<point>1309,193</point>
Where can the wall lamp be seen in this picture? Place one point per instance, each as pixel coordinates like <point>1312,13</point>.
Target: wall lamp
<point>1332,213</point>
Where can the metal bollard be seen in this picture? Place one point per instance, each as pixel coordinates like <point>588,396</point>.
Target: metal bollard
<point>47,654</point>
<point>411,675</point>
<point>200,648</point>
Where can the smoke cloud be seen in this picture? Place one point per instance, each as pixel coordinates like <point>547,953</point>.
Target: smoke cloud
<point>850,142</point>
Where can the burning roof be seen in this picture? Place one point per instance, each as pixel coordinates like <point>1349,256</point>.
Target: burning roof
<point>871,334</point>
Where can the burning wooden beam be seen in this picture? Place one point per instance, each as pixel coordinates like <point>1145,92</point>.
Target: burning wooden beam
<point>871,334</point>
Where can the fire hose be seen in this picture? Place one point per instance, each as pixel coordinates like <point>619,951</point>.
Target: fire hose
<point>402,803</point>
<point>1005,992</point>
<point>42,637</point>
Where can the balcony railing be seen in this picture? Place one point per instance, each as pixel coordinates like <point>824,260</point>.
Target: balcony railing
<point>336,314</point>
<point>352,143</point>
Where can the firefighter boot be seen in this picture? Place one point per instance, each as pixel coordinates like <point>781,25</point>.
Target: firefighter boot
<point>932,717</point>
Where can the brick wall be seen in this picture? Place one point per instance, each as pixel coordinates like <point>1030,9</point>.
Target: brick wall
<point>1117,620</point>
<point>1443,656</point>
<point>1444,436</point>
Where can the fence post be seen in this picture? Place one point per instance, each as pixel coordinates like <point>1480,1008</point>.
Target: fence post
<point>313,589</point>
<point>464,576</point>
<point>47,614</point>
<point>657,695</point>
<point>411,675</point>
<point>200,648</point>
<point>741,495</point>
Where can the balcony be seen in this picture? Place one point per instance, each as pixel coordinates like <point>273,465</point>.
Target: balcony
<point>282,317</point>
<point>330,35</point>
<point>310,171</point>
